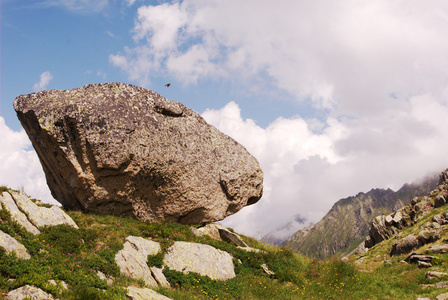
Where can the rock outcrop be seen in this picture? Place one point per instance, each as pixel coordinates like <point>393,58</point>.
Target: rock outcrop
<point>386,226</point>
<point>203,259</point>
<point>30,216</point>
<point>119,149</point>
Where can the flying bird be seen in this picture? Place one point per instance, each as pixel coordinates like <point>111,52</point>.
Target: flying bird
<point>168,84</point>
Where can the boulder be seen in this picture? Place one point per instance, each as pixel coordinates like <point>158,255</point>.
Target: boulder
<point>10,244</point>
<point>203,259</point>
<point>136,293</point>
<point>405,245</point>
<point>132,259</point>
<point>438,249</point>
<point>29,292</point>
<point>123,150</point>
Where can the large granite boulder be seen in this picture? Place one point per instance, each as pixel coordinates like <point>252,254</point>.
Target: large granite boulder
<point>120,149</point>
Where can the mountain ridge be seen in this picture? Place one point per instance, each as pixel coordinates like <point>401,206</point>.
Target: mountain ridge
<point>346,224</point>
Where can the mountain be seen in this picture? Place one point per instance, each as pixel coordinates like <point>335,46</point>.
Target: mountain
<point>346,225</point>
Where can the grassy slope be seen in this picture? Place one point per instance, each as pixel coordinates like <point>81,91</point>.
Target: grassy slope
<point>63,253</point>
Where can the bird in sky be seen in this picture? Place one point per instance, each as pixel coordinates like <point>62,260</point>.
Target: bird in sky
<point>168,84</point>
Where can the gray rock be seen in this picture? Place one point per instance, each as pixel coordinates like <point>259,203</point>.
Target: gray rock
<point>42,216</point>
<point>438,249</point>
<point>29,292</point>
<point>211,230</point>
<point>232,238</point>
<point>10,244</point>
<point>16,214</point>
<point>136,293</point>
<point>132,259</point>
<point>434,274</point>
<point>119,149</point>
<point>203,259</point>
<point>157,273</point>
<point>442,296</point>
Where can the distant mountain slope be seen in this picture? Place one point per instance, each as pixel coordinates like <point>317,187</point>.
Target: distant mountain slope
<point>346,225</point>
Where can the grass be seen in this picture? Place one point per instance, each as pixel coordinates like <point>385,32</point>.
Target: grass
<point>75,256</point>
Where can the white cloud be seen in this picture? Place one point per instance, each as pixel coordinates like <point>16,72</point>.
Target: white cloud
<point>20,167</point>
<point>346,54</point>
<point>45,79</point>
<point>306,172</point>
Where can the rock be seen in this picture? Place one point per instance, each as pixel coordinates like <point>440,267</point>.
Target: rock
<point>159,277</point>
<point>428,236</point>
<point>16,214</point>
<point>379,231</point>
<point>211,230</point>
<point>102,276</point>
<point>119,149</point>
<point>250,249</point>
<point>203,259</point>
<point>136,293</point>
<point>434,274</point>
<point>266,269</point>
<point>405,245</point>
<point>42,216</point>
<point>10,244</point>
<point>62,286</point>
<point>133,257</point>
<point>424,264</point>
<point>441,199</point>
<point>442,296</point>
<point>29,292</point>
<point>232,238</point>
<point>438,249</point>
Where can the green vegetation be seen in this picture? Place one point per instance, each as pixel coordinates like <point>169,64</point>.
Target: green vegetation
<point>75,256</point>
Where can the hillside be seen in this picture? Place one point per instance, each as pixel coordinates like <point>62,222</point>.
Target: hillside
<point>71,263</point>
<point>347,223</point>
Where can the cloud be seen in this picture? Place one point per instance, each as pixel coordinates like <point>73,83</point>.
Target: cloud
<point>45,79</point>
<point>340,55</point>
<point>306,172</point>
<point>20,167</point>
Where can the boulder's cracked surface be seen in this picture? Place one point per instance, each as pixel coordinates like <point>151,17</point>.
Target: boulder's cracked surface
<point>123,150</point>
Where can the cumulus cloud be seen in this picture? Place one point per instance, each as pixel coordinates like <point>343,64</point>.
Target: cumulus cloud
<point>20,167</point>
<point>326,52</point>
<point>306,172</point>
<point>45,79</point>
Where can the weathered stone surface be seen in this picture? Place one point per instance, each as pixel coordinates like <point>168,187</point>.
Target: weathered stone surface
<point>10,244</point>
<point>16,214</point>
<point>442,296</point>
<point>438,249</point>
<point>29,292</point>
<point>203,259</point>
<point>120,149</point>
<point>211,230</point>
<point>136,293</point>
<point>42,216</point>
<point>133,257</point>
<point>434,274</point>
<point>405,245</point>
<point>157,273</point>
<point>232,238</point>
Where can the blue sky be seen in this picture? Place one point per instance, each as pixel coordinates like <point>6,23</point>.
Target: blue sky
<point>333,98</point>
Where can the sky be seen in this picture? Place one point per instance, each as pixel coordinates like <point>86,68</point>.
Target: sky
<point>333,98</point>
